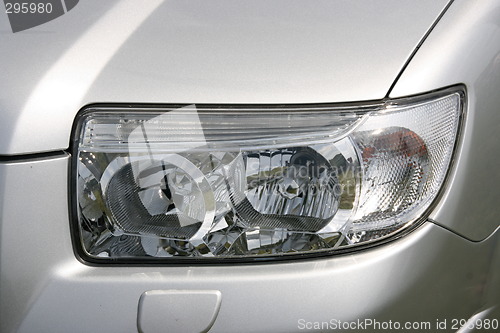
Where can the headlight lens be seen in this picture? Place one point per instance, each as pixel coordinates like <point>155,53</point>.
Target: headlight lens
<point>266,181</point>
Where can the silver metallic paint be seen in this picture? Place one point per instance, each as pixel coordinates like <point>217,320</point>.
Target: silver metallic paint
<point>199,52</point>
<point>430,274</point>
<point>464,47</point>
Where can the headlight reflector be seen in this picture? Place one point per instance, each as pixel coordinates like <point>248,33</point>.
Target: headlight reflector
<point>265,181</point>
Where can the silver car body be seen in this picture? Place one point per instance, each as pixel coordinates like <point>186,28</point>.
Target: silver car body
<point>247,52</point>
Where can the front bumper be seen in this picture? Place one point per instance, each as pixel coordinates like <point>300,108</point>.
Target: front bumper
<point>430,275</point>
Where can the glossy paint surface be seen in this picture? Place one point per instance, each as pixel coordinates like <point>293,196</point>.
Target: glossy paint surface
<point>464,48</point>
<point>199,52</point>
<point>339,51</point>
<point>45,288</point>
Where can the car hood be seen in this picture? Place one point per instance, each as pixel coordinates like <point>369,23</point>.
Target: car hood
<point>199,52</point>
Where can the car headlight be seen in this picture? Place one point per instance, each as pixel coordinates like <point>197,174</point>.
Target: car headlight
<point>264,181</point>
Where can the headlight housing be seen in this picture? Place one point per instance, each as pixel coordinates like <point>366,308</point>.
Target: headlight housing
<point>166,183</point>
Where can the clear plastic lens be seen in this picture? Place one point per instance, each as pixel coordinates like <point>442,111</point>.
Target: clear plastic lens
<point>192,128</point>
<point>207,182</point>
